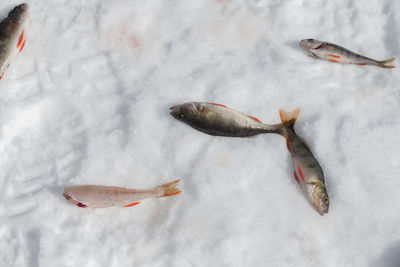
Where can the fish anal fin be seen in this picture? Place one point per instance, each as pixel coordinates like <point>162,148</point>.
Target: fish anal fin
<point>254,118</point>
<point>334,60</point>
<point>362,64</point>
<point>131,204</point>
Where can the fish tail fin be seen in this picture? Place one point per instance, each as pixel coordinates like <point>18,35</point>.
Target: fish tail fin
<point>383,62</point>
<point>288,120</point>
<point>168,189</point>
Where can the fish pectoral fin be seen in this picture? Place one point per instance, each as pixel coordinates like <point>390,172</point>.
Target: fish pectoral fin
<point>131,204</point>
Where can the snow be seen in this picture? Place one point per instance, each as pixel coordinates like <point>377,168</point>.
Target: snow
<point>87,102</point>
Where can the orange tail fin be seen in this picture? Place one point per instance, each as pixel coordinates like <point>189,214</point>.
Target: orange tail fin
<point>383,62</point>
<point>168,189</point>
<point>289,117</point>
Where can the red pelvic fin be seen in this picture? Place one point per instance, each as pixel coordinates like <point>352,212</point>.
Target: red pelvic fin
<point>335,56</point>
<point>300,173</point>
<point>131,204</point>
<point>215,104</point>
<point>334,60</point>
<point>254,118</point>
<point>22,46</point>
<point>20,39</point>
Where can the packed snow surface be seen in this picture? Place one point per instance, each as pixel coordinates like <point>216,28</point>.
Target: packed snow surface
<point>86,102</point>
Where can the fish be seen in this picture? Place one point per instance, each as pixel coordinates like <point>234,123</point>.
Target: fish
<point>307,171</point>
<point>12,35</point>
<point>337,54</point>
<point>219,120</point>
<point>98,196</point>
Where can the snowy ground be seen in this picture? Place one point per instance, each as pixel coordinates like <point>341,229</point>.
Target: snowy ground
<point>87,102</point>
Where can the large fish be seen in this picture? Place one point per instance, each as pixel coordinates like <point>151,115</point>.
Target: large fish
<point>97,196</point>
<point>12,35</point>
<point>307,171</point>
<point>219,120</point>
<point>338,54</point>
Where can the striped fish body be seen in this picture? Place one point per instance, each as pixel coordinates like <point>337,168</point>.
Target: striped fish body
<point>12,35</point>
<point>337,54</point>
<point>307,171</point>
<point>219,120</point>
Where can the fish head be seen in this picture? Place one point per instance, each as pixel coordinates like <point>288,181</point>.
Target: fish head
<point>19,13</point>
<point>186,112</point>
<point>310,44</point>
<point>319,196</point>
<point>68,195</point>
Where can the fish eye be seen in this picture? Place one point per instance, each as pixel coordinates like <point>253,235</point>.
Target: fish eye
<point>181,115</point>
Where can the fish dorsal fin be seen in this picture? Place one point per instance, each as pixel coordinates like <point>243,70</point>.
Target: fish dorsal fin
<point>220,105</point>
<point>131,204</point>
<point>254,118</point>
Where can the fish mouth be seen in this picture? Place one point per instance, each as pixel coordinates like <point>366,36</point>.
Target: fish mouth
<point>175,111</point>
<point>19,12</point>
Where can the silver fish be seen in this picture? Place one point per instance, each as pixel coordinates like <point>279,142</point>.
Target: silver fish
<point>219,120</point>
<point>12,35</point>
<point>307,171</point>
<point>337,54</point>
<point>98,196</point>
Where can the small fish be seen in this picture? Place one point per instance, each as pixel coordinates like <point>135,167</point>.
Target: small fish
<point>219,120</point>
<point>307,171</point>
<point>338,54</point>
<point>12,35</point>
<point>97,196</point>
